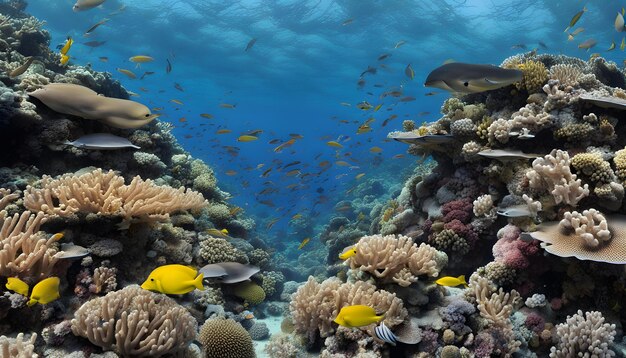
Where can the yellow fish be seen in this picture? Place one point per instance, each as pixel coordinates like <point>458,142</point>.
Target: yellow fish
<point>348,252</point>
<point>217,233</point>
<point>303,243</point>
<point>173,280</point>
<point>223,131</point>
<point>357,316</point>
<point>359,176</point>
<point>126,72</point>
<point>334,144</point>
<point>247,138</point>
<point>378,107</point>
<point>45,291</point>
<point>363,129</point>
<point>296,217</point>
<point>16,285</point>
<point>139,59</point>
<point>66,47</point>
<point>64,59</point>
<point>452,281</point>
<point>206,115</point>
<point>376,149</point>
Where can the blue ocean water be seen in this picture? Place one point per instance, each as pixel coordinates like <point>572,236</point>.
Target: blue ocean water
<point>307,60</point>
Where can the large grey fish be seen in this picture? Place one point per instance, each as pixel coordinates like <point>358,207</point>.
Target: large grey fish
<point>101,141</point>
<point>228,272</point>
<point>471,78</point>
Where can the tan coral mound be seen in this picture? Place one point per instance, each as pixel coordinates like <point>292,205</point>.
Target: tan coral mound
<point>396,259</point>
<point>135,322</point>
<point>315,305</point>
<point>105,193</point>
<point>566,243</point>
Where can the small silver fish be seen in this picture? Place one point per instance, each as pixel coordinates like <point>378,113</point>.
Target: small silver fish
<point>101,141</point>
<point>383,333</point>
<point>515,211</point>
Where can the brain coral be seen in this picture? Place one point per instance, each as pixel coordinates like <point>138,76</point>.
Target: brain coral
<point>225,338</point>
<point>249,291</point>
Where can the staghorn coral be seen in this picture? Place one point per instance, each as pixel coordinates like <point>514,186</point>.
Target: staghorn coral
<point>584,336</point>
<point>396,259</point>
<point>18,347</point>
<point>105,193</point>
<point>225,338</point>
<point>553,172</point>
<point>135,322</point>
<point>315,305</point>
<point>24,252</point>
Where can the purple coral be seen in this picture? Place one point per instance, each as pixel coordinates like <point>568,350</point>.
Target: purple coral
<point>535,322</point>
<point>454,315</point>
<point>457,210</point>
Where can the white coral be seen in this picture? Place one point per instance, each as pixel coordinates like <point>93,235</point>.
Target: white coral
<point>584,336</point>
<point>591,226</point>
<point>553,172</point>
<point>483,205</point>
<point>534,206</point>
<point>499,131</point>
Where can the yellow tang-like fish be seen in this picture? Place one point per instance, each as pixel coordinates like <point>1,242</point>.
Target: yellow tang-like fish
<point>357,316</point>
<point>16,285</point>
<point>66,47</point>
<point>452,281</point>
<point>64,59</point>
<point>141,59</point>
<point>348,252</point>
<point>45,291</point>
<point>173,280</point>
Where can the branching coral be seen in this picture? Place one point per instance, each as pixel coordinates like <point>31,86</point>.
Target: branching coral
<point>315,305</point>
<point>105,193</point>
<point>18,347</point>
<point>483,205</point>
<point>23,252</point>
<point>395,259</point>
<point>494,306</point>
<point>534,75</point>
<point>135,322</point>
<point>590,226</point>
<point>553,172</point>
<point>584,336</point>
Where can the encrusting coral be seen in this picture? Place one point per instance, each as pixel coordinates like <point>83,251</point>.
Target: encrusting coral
<point>135,322</point>
<point>105,193</point>
<point>396,259</point>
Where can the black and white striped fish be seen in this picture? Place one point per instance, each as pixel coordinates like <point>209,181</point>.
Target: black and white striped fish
<point>384,334</point>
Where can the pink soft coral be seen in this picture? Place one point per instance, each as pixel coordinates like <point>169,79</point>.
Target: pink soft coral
<point>511,250</point>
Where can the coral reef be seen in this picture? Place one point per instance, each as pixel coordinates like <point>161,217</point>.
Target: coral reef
<point>135,322</point>
<point>225,338</point>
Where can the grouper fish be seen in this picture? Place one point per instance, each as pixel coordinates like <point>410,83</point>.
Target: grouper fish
<point>470,78</point>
